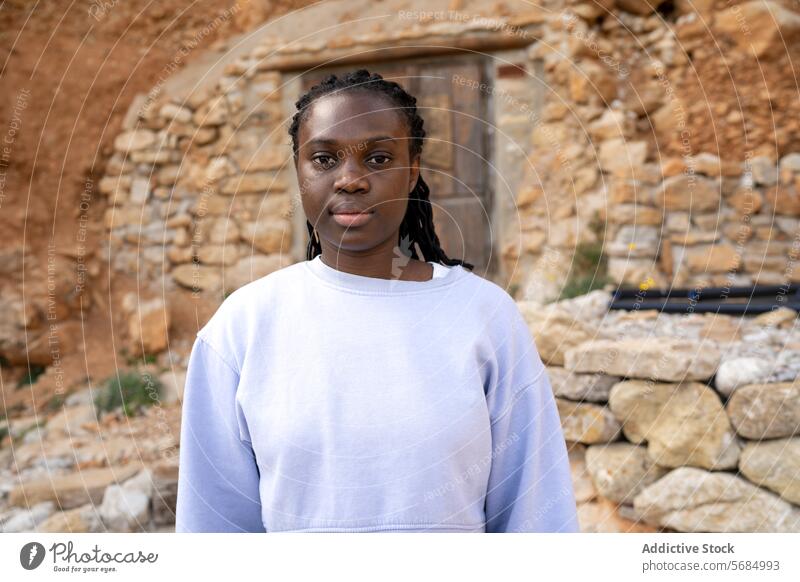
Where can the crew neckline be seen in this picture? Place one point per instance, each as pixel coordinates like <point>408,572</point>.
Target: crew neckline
<point>363,284</point>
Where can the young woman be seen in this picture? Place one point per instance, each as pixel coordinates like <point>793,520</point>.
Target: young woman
<point>365,389</point>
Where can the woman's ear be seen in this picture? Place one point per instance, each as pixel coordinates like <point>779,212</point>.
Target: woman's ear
<point>413,175</point>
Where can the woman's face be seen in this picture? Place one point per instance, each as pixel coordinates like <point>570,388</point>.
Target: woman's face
<point>354,171</point>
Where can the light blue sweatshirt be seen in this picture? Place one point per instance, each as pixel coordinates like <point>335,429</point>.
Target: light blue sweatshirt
<point>320,400</point>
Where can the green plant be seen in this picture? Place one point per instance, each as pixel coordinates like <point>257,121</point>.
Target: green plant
<point>130,390</point>
<point>134,360</point>
<point>588,272</point>
<point>589,269</point>
<point>30,377</point>
<point>20,436</point>
<point>55,403</point>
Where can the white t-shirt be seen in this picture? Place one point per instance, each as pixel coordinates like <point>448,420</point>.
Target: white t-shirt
<point>439,270</point>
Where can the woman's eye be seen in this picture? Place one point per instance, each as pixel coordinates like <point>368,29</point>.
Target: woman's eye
<point>321,160</point>
<point>386,159</point>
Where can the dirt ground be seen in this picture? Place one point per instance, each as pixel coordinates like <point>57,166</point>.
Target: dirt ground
<point>69,73</point>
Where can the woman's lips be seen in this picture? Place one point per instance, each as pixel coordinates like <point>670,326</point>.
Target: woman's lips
<point>351,219</point>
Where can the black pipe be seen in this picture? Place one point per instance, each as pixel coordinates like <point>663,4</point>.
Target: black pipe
<point>711,292</point>
<point>730,308</point>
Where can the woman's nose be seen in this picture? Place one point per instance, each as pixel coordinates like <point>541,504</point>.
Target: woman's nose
<point>351,178</point>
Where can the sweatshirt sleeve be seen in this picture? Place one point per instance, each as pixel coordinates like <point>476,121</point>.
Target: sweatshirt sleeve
<point>218,479</point>
<point>530,484</point>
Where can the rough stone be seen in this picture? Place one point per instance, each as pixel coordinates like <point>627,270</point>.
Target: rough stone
<point>783,317</point>
<point>580,387</point>
<point>148,327</point>
<point>173,382</point>
<point>635,241</point>
<point>640,7</point>
<point>693,500</point>
<point>621,157</point>
<point>256,182</point>
<point>218,254</point>
<point>715,258</point>
<point>785,200</point>
<point>73,490</point>
<point>135,140</point>
<point>28,520</point>
<point>774,464</point>
<point>250,268</point>
<point>126,507</point>
<point>70,421</point>
<point>582,485</point>
<point>739,372</point>
<point>713,166</point>
<point>79,520</point>
<point>555,333</point>
<point>612,124</point>
<point>667,359</point>
<point>197,277</point>
<point>268,236</point>
<point>619,471</point>
<point>683,424</point>
<point>766,411</point>
<point>764,171</point>
<point>694,193</point>
<point>214,112</point>
<point>761,27</point>
<point>174,112</point>
<point>604,516</point>
<point>590,79</point>
<point>587,423</point>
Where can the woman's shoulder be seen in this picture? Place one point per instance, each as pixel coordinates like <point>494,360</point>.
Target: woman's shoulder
<point>274,281</point>
<point>489,294</point>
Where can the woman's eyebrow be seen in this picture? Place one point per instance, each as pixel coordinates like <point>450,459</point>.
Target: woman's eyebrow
<point>332,142</point>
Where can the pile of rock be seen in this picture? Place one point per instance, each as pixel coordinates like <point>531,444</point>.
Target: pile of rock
<point>686,422</point>
<point>75,471</point>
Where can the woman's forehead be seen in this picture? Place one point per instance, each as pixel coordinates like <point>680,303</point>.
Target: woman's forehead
<point>353,117</point>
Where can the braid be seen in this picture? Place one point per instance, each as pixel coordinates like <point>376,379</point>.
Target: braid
<point>417,224</point>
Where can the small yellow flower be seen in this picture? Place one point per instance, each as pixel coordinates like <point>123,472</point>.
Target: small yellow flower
<point>646,284</point>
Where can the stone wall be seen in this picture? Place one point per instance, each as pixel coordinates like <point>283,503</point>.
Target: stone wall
<point>596,128</point>
<point>679,422</point>
<point>199,188</point>
<point>691,183</point>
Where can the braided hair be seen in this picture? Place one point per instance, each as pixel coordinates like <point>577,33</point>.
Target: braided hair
<point>417,226</point>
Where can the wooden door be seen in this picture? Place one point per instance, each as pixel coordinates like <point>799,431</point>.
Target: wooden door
<point>455,156</point>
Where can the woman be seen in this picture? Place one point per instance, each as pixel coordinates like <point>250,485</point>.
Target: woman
<point>365,389</point>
